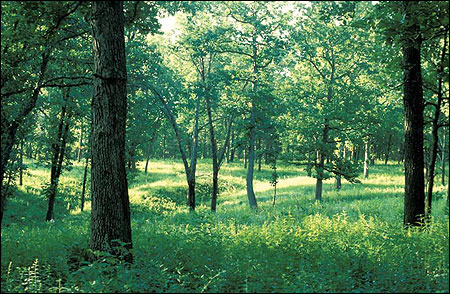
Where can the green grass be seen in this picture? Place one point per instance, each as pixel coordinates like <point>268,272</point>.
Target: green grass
<point>353,241</point>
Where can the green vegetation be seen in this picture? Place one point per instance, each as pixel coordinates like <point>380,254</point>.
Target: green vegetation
<point>352,241</point>
<point>224,146</point>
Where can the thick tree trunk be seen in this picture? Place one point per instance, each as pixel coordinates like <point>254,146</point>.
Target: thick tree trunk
<point>414,205</point>
<point>110,212</point>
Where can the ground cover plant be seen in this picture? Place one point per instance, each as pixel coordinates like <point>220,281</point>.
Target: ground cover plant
<point>352,241</point>
<point>224,146</point>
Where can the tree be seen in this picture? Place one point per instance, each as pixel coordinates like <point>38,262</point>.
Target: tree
<point>31,33</point>
<point>110,212</point>
<point>414,206</point>
<point>257,32</point>
<point>201,49</point>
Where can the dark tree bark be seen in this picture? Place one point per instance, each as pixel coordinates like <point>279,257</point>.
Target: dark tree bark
<point>414,205</point>
<point>110,212</point>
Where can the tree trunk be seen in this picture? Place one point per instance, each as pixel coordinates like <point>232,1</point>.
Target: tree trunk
<point>233,148</point>
<point>414,205</point>
<point>193,165</point>
<point>321,164</point>
<point>163,151</point>
<point>80,149</point>
<point>251,160</point>
<point>56,148</point>
<point>21,163</point>
<point>309,166</point>
<point>434,133</point>
<point>245,158</point>
<point>366,159</point>
<point>386,156</point>
<point>342,158</point>
<point>443,145</point>
<point>259,154</point>
<point>110,213</point>
<point>83,192</point>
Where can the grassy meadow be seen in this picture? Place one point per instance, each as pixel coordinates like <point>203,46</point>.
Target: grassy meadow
<point>353,241</point>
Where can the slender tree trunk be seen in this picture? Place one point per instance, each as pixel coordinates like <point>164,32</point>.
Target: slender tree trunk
<point>80,149</point>
<point>386,156</point>
<point>434,133</point>
<point>309,166</point>
<point>366,159</point>
<point>414,205</point>
<point>259,154</point>
<point>443,146</point>
<point>245,158</point>
<point>148,157</point>
<point>164,148</point>
<point>342,158</point>
<point>110,212</point>
<point>233,148</point>
<point>21,163</point>
<point>83,192</point>
<point>371,154</point>
<point>193,165</point>
<point>320,166</point>
<point>56,148</point>
<point>205,145</point>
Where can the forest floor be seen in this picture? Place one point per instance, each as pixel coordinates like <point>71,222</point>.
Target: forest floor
<point>353,241</point>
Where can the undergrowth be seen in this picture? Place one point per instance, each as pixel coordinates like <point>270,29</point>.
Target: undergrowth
<point>353,241</point>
